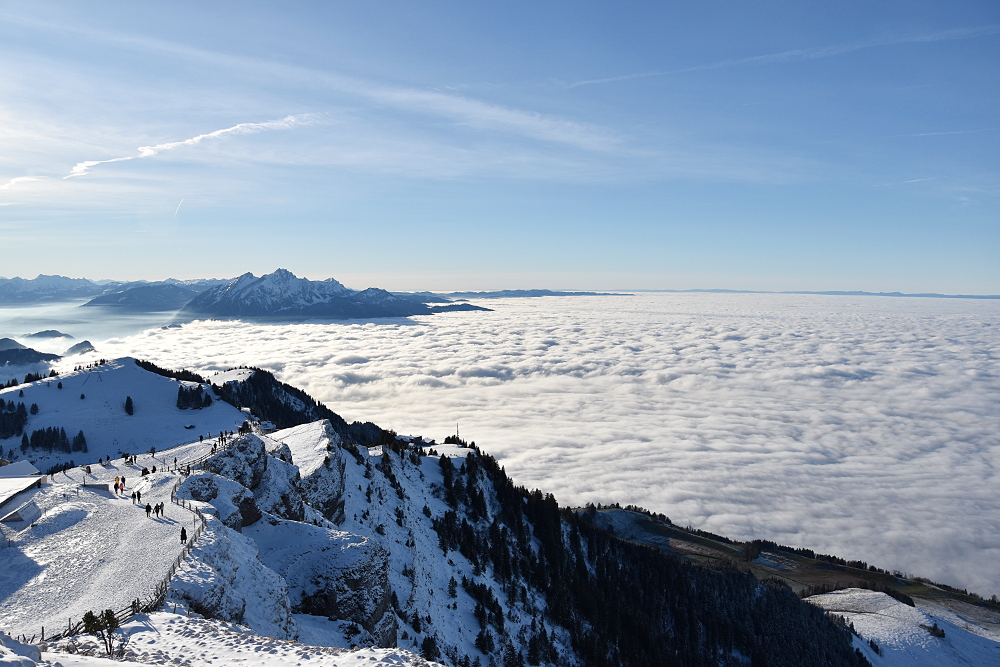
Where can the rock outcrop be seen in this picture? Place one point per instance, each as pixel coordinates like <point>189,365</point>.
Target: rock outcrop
<point>232,503</point>
<point>331,573</point>
<point>294,566</point>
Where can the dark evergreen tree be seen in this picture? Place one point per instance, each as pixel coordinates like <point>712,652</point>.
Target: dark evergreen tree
<point>129,407</point>
<point>79,442</point>
<point>429,648</point>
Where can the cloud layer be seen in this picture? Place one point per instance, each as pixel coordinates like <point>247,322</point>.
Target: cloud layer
<point>865,427</point>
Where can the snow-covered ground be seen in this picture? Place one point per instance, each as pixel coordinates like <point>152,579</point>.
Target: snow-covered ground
<point>100,413</point>
<point>169,639</point>
<point>91,550</point>
<point>903,632</point>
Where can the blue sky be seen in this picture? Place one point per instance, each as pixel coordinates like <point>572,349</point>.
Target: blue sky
<point>453,146</point>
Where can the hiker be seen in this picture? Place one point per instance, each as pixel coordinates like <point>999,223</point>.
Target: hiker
<point>133,497</point>
<point>138,497</point>
<point>154,469</point>
<point>163,510</point>
<point>184,535</point>
<point>149,509</point>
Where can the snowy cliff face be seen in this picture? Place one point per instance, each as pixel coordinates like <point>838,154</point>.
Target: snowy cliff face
<point>331,573</point>
<point>316,450</point>
<point>224,578</point>
<point>281,563</point>
<point>231,502</point>
<point>244,463</point>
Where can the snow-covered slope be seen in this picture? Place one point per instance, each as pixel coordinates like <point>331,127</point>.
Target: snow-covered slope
<point>906,636</point>
<point>93,400</point>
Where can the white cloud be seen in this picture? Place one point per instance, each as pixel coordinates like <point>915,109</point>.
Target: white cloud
<point>861,426</point>
<point>82,168</point>
<point>20,179</point>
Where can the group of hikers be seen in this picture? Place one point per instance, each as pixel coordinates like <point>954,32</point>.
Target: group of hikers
<point>120,486</point>
<point>156,510</point>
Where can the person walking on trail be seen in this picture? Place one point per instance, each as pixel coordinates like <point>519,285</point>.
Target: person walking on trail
<point>149,508</point>
<point>184,535</point>
<point>133,497</point>
<point>138,497</point>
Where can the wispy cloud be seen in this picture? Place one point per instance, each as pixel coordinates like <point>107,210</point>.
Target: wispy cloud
<point>458,108</point>
<point>82,168</point>
<point>938,134</point>
<point>20,179</point>
<point>795,55</point>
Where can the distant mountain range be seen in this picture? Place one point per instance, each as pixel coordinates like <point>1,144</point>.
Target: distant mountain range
<point>147,298</point>
<point>284,295</point>
<point>60,288</point>
<point>504,294</point>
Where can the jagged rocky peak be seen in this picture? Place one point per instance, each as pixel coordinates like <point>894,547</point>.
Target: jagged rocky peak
<point>283,294</point>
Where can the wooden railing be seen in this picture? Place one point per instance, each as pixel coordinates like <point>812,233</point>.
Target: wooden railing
<point>159,593</point>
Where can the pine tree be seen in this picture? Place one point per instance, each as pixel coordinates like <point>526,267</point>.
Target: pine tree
<point>429,648</point>
<point>34,408</point>
<point>129,408</point>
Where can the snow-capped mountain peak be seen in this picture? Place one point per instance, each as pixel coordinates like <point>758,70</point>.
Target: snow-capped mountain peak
<point>283,294</point>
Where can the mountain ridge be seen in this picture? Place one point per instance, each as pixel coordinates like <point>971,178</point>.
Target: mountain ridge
<point>282,294</point>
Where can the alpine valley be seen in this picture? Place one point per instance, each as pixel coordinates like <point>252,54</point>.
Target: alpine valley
<point>311,538</point>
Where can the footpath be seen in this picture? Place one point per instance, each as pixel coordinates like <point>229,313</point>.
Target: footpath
<point>93,549</point>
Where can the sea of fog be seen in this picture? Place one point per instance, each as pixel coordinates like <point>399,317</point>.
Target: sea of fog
<point>867,427</point>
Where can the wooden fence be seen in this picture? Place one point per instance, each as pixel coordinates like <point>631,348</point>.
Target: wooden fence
<point>159,593</point>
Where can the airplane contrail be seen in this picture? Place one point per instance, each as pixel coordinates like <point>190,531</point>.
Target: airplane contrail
<point>179,205</point>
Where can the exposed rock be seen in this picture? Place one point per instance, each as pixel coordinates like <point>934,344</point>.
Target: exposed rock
<point>316,450</point>
<point>244,462</point>
<point>277,492</point>
<point>233,503</point>
<point>324,488</point>
<point>331,573</point>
